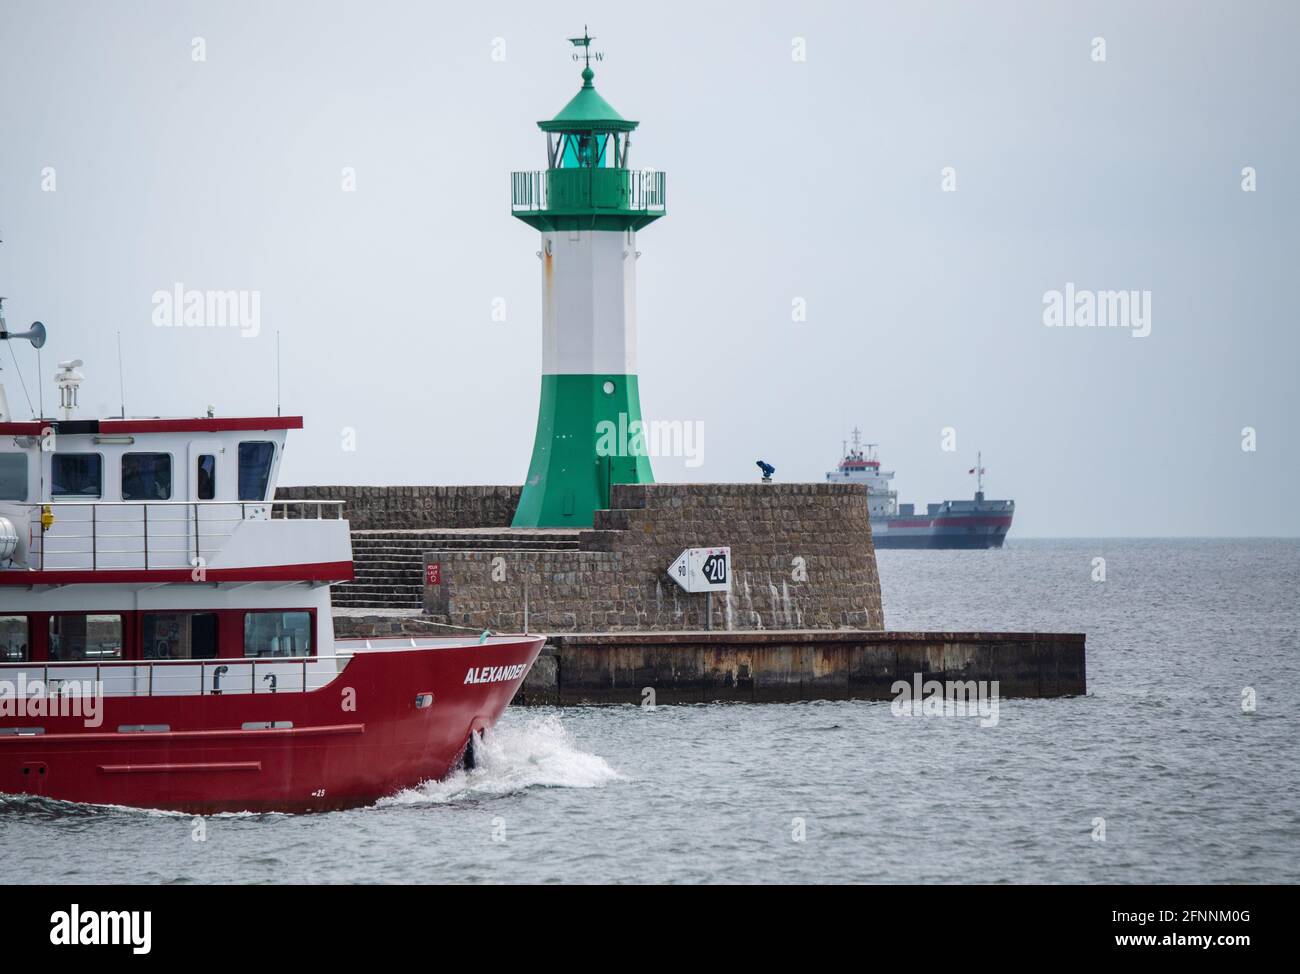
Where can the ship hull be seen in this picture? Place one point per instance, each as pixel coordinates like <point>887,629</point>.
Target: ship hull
<point>369,733</point>
<point>949,532</point>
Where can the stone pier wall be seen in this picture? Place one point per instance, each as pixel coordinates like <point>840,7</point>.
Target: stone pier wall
<point>802,558</point>
<point>403,508</point>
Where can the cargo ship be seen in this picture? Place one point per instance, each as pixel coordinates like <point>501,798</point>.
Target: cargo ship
<point>977,523</point>
<point>166,639</point>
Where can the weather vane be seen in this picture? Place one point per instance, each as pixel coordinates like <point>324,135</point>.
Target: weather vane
<point>584,42</point>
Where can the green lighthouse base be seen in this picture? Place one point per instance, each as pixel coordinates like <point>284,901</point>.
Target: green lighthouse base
<point>589,436</point>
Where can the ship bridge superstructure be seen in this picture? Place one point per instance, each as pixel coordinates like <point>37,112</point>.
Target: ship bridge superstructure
<point>143,501</point>
<point>861,465</point>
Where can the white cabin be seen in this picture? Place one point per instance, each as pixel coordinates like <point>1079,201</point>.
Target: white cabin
<point>862,466</point>
<point>160,539</point>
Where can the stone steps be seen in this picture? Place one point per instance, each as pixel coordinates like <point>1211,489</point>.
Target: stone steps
<point>377,589</point>
<point>473,545</point>
<point>450,534</point>
<point>398,592</point>
<point>386,559</point>
<point>343,597</point>
<point>462,541</point>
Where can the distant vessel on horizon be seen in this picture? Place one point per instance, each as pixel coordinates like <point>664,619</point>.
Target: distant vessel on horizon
<point>977,523</point>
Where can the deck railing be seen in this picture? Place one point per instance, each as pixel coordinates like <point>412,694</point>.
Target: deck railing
<point>165,678</point>
<point>95,535</point>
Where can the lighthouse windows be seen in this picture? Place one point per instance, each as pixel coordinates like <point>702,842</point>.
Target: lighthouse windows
<point>583,151</point>
<point>587,150</point>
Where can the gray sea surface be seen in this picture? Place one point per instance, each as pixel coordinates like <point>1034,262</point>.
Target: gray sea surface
<point>1158,775</point>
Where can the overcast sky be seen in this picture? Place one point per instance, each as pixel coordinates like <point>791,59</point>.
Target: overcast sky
<point>818,179</point>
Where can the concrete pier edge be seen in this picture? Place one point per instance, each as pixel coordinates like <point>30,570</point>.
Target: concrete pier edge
<point>791,665</point>
<point>774,665</point>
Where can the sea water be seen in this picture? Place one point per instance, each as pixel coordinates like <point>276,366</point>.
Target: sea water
<point>1180,765</point>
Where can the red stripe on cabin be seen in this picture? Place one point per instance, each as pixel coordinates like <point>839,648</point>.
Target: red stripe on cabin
<point>330,571</point>
<point>118,426</point>
<point>203,425</point>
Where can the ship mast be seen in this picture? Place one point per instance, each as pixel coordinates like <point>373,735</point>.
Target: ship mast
<point>36,335</point>
<point>978,471</point>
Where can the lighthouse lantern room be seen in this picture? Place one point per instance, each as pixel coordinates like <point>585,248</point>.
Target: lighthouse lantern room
<point>588,206</point>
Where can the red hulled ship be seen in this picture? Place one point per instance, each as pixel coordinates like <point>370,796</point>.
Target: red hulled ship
<point>166,639</point>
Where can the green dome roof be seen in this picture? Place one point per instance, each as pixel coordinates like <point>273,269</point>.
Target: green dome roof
<point>587,111</point>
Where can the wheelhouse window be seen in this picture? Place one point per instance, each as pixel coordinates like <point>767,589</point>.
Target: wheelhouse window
<point>206,475</point>
<point>79,636</point>
<point>13,476</point>
<point>255,470</point>
<point>146,476</point>
<point>14,644</point>
<point>179,635</point>
<point>277,634</point>
<point>77,475</point>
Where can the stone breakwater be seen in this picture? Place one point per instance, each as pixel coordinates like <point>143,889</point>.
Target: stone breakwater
<point>407,508</point>
<point>803,620</point>
<point>802,558</point>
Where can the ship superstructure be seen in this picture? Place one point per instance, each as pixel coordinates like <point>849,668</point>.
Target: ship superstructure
<point>166,636</point>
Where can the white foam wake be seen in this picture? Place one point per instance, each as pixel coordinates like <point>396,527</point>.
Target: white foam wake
<point>535,753</point>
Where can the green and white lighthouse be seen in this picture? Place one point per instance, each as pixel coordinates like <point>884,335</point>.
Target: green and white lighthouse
<point>588,205</point>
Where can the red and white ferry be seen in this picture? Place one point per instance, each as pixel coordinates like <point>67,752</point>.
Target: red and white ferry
<point>166,638</point>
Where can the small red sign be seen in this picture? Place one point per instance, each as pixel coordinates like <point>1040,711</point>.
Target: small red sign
<point>433,573</point>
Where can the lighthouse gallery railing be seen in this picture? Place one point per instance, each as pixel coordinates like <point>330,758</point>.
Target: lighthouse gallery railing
<point>587,189</point>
